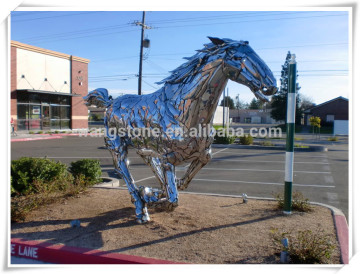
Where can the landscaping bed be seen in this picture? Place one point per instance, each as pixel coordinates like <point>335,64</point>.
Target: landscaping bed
<point>202,230</point>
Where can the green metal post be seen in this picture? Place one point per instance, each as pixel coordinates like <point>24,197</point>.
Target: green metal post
<point>290,131</point>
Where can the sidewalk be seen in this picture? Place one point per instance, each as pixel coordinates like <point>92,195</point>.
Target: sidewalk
<point>22,137</point>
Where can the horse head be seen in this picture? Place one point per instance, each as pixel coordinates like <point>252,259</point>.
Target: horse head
<point>242,65</point>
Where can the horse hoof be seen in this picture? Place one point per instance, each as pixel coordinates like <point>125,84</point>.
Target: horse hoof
<point>171,206</point>
<point>144,219</point>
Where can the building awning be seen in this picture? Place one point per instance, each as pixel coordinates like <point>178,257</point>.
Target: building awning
<point>50,92</point>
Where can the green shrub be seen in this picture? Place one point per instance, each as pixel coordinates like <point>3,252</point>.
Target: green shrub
<point>36,182</point>
<point>40,132</point>
<point>222,137</point>
<point>21,205</point>
<point>31,132</point>
<point>333,139</point>
<point>306,246</point>
<point>56,131</point>
<point>299,202</point>
<point>266,143</point>
<point>300,146</point>
<point>26,171</point>
<point>246,139</point>
<point>88,168</point>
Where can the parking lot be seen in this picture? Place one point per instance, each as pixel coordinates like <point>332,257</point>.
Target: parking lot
<point>320,176</point>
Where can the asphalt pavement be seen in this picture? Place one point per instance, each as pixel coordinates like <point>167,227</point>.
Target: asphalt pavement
<point>320,176</point>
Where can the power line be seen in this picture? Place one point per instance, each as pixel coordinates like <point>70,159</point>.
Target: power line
<point>47,37</point>
<point>50,17</point>
<point>187,53</point>
<point>77,37</point>
<point>261,20</point>
<point>127,25</point>
<point>222,17</point>
<point>64,34</point>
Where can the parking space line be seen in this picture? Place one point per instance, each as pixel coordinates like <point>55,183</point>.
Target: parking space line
<point>262,161</point>
<point>265,170</point>
<point>219,151</point>
<point>329,179</point>
<point>332,197</point>
<point>261,183</point>
<point>147,178</point>
<point>272,153</point>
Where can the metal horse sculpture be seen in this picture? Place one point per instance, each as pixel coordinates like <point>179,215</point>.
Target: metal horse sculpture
<point>187,100</point>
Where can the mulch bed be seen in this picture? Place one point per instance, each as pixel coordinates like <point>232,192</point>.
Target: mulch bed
<point>202,230</point>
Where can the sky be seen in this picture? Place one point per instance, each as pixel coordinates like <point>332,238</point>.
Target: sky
<point>111,40</point>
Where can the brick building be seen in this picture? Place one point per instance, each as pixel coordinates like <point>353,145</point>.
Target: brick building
<point>334,113</point>
<point>329,111</point>
<point>47,89</point>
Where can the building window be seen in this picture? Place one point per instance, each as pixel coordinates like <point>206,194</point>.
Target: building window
<point>30,108</point>
<point>330,118</point>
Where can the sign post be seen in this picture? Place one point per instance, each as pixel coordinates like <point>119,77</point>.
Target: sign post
<point>290,131</point>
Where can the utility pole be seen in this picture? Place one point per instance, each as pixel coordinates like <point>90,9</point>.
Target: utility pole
<point>143,27</point>
<point>228,109</point>
<point>238,106</point>
<point>224,109</point>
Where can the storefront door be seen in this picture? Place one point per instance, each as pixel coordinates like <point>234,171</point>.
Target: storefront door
<point>45,117</point>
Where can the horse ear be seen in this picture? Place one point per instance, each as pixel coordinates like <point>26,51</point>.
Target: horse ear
<point>216,41</point>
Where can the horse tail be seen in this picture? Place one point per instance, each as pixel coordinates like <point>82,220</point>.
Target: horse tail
<point>98,97</point>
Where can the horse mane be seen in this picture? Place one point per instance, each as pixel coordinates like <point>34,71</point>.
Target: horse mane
<point>185,72</point>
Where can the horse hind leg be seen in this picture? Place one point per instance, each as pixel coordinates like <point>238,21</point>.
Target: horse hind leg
<point>170,186</point>
<point>165,173</point>
<point>193,169</point>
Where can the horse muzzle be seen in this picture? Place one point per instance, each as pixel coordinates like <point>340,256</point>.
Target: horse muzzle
<point>269,91</point>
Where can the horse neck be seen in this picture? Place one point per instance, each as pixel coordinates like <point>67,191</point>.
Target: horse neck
<point>198,104</point>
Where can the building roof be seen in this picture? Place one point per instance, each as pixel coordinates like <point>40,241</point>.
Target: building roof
<point>327,102</point>
<point>48,52</point>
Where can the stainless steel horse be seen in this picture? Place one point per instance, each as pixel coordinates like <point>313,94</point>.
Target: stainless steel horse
<point>187,101</point>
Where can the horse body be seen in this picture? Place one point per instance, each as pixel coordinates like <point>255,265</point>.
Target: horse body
<point>187,101</point>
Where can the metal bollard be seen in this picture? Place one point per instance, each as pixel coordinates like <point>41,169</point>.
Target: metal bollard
<point>284,255</point>
<point>75,223</point>
<point>245,198</point>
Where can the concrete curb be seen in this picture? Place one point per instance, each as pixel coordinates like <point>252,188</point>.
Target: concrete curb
<point>61,254</point>
<point>342,231</point>
<point>35,139</point>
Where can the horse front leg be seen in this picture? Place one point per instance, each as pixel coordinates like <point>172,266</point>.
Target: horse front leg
<point>119,155</point>
<point>193,169</point>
